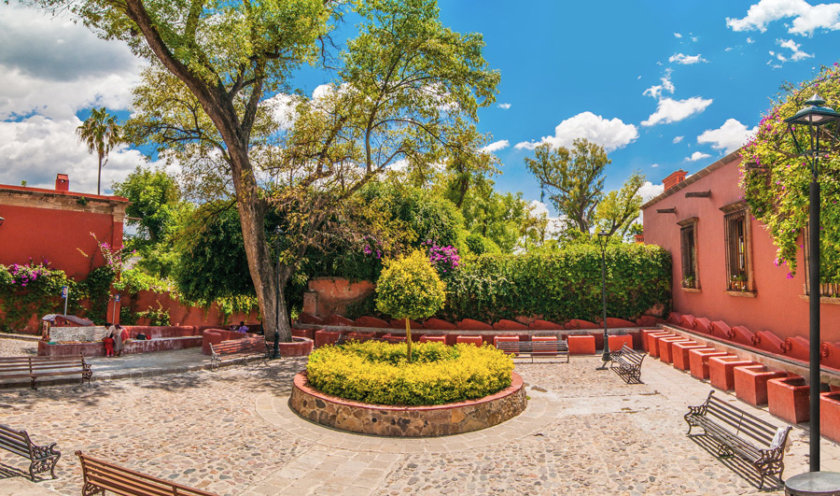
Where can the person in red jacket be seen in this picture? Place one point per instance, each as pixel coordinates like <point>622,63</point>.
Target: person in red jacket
<point>109,345</point>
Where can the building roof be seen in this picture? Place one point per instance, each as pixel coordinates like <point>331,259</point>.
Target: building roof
<point>694,178</point>
<point>43,191</point>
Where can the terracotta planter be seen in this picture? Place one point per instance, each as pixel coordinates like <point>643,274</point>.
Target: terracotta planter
<point>787,398</point>
<point>680,350</point>
<point>830,415</point>
<point>722,371</point>
<point>699,361</point>
<point>751,383</point>
<point>581,345</point>
<point>298,347</point>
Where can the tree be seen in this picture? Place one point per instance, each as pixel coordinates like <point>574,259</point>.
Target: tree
<point>409,288</point>
<point>775,177</point>
<point>100,133</point>
<point>573,177</point>
<point>618,209</point>
<point>217,69</point>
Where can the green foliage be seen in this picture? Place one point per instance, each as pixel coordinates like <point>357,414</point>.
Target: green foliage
<point>101,133</point>
<point>776,178</point>
<point>379,373</point>
<point>479,245</point>
<point>33,289</point>
<point>618,209</point>
<point>97,289</point>
<point>560,285</point>
<point>157,316</point>
<point>410,287</point>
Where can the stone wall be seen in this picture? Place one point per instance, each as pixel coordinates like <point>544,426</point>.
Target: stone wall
<point>397,421</point>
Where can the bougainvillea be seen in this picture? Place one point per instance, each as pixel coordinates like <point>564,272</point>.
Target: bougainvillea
<point>776,178</point>
<point>444,259</point>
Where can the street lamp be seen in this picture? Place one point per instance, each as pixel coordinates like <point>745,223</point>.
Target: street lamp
<point>814,117</point>
<point>602,243</point>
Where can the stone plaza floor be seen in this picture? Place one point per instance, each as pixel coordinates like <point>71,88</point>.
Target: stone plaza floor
<point>231,432</point>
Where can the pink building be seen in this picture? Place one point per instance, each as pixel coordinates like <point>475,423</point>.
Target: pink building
<point>724,259</point>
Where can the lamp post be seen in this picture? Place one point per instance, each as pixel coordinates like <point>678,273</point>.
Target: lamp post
<point>814,117</point>
<point>602,243</point>
<point>278,231</point>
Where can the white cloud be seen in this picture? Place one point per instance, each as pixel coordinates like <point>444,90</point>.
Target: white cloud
<point>728,137</point>
<point>283,108</point>
<point>609,133</point>
<point>727,49</point>
<point>650,191</point>
<point>654,166</point>
<point>669,110</point>
<point>496,146</point>
<point>656,90</point>
<point>677,139</point>
<point>806,17</point>
<point>684,59</point>
<point>504,106</point>
<point>794,47</point>
<point>750,41</point>
<point>677,35</point>
<point>697,156</point>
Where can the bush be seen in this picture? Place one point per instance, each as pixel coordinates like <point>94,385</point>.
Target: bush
<point>379,373</point>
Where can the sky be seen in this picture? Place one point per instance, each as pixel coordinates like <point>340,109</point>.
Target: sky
<point>662,85</point>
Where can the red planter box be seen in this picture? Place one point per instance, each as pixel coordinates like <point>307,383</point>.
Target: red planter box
<point>751,383</point>
<point>646,338</point>
<point>303,333</point>
<point>787,398</point>
<point>323,337</point>
<point>666,346</point>
<point>699,361</point>
<point>616,342</point>
<point>426,338</point>
<point>394,338</point>
<point>581,345</point>
<point>830,415</point>
<point>654,342</point>
<point>499,339</point>
<point>722,371</point>
<point>679,353</point>
<point>476,340</point>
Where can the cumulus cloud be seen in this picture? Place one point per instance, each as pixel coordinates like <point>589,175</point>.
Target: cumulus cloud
<point>654,166</point>
<point>656,90</point>
<point>681,58</point>
<point>807,18</point>
<point>697,156</point>
<point>496,146</point>
<point>677,35</point>
<point>669,110</point>
<point>650,191</point>
<point>609,133</point>
<point>504,106</point>
<point>677,139</point>
<point>728,137</point>
<point>794,47</point>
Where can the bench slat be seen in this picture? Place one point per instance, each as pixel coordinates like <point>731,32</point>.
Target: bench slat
<point>121,480</point>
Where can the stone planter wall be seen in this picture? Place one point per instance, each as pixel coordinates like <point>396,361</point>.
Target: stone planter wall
<point>396,421</point>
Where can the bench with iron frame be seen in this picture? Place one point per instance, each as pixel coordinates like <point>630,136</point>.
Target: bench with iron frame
<point>238,348</point>
<point>100,476</point>
<point>36,367</point>
<point>627,363</point>
<point>535,349</point>
<point>41,458</point>
<point>739,433</point>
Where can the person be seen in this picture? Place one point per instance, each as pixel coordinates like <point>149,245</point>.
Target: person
<point>242,327</point>
<point>109,345</point>
<point>120,337</point>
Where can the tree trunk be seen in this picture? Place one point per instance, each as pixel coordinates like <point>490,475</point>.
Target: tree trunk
<point>99,176</point>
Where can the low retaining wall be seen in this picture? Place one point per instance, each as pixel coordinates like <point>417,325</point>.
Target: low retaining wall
<point>131,347</point>
<point>401,421</point>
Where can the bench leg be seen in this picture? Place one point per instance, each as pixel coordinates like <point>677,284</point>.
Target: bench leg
<point>90,490</point>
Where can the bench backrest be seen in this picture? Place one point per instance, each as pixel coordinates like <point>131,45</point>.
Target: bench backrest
<point>35,364</point>
<point>15,441</point>
<point>742,423</point>
<point>631,355</point>
<point>238,346</point>
<point>127,482</point>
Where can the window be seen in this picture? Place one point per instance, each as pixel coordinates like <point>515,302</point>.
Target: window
<point>737,239</point>
<point>688,251</point>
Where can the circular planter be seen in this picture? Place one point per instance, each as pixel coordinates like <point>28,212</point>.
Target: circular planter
<point>407,421</point>
<point>299,346</point>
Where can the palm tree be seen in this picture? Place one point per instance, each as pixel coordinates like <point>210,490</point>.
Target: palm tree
<point>100,132</point>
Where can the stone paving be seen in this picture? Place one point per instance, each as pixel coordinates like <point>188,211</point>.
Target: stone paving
<point>231,432</point>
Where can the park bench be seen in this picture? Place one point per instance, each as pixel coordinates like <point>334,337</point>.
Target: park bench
<point>627,363</point>
<point>238,348</point>
<point>41,458</point>
<point>739,433</point>
<point>535,349</point>
<point>14,369</point>
<point>100,476</point>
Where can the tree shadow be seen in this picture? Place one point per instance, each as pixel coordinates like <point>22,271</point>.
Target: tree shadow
<point>741,467</point>
<point>83,395</point>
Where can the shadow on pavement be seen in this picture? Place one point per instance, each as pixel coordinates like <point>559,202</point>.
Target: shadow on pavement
<point>742,468</point>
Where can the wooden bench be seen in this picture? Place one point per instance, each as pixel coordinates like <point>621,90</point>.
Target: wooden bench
<point>627,363</point>
<point>238,348</point>
<point>738,433</point>
<point>535,349</point>
<point>41,458</point>
<point>35,367</point>
<point>100,476</point>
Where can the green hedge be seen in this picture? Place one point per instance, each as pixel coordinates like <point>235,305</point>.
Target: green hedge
<point>562,285</point>
<point>378,373</point>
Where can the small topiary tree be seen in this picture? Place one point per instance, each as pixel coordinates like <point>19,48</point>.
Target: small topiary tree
<point>410,288</point>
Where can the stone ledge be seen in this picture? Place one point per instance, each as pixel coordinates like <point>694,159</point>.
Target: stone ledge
<point>407,421</point>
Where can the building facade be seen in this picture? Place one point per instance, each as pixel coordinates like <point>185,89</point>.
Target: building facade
<point>724,260</point>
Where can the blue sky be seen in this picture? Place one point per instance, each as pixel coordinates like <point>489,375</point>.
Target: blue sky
<point>657,82</point>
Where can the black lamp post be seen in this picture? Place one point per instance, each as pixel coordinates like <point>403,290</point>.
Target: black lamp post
<point>814,117</point>
<point>602,243</point>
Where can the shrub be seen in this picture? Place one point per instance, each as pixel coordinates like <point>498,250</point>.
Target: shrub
<point>379,373</point>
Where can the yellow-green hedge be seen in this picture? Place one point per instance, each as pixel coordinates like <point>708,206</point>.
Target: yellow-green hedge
<point>378,373</point>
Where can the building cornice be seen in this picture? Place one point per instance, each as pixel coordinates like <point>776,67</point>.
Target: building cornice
<point>728,159</point>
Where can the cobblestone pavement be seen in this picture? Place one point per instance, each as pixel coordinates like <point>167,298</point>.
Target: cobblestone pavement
<point>231,432</point>
<point>14,347</point>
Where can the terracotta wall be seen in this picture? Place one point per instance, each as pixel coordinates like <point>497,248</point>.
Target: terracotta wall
<point>777,305</point>
<point>183,315</point>
<point>328,296</point>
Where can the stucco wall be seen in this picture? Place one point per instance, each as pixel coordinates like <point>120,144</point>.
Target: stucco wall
<point>777,305</point>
